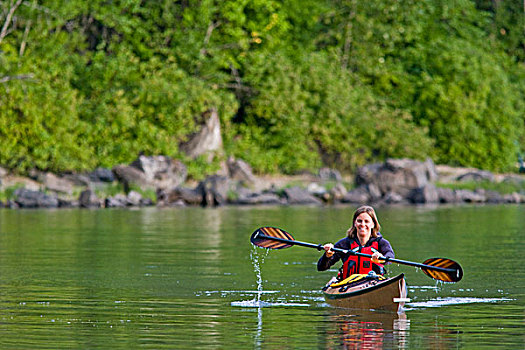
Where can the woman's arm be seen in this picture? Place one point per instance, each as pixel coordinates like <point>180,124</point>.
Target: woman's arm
<point>325,262</point>
<point>386,249</point>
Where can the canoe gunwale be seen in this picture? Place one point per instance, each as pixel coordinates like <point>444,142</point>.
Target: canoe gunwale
<point>379,285</point>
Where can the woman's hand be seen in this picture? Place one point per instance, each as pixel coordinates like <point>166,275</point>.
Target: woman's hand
<point>328,250</point>
<point>376,257</point>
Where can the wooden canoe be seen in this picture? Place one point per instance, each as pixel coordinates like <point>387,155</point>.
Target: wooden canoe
<point>368,293</point>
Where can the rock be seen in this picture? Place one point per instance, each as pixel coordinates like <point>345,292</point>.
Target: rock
<point>259,198</point>
<point>20,181</point>
<point>327,174</point>
<point>52,182</point>
<point>214,190</point>
<point>130,175</point>
<point>338,192</point>
<point>469,196</point>
<point>514,179</point>
<point>56,184</point>
<point>240,170</point>
<point>151,173</point>
<point>514,198</point>
<point>207,140</point>
<point>492,197</point>
<point>25,198</point>
<point>117,201</point>
<point>373,192</point>
<point>146,202</point>
<point>101,175</point>
<point>357,195</point>
<point>476,176</point>
<point>11,204</point>
<point>431,170</point>
<point>424,195</point>
<point>400,176</point>
<point>134,198</point>
<point>67,203</point>
<point>393,198</point>
<point>78,179</point>
<point>179,195</point>
<point>297,195</point>
<point>366,174</point>
<point>88,199</point>
<point>316,190</point>
<point>160,171</point>
<point>446,195</point>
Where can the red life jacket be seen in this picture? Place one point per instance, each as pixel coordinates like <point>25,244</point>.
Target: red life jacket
<point>361,263</point>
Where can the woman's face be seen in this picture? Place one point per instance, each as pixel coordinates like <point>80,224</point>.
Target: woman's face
<point>364,225</point>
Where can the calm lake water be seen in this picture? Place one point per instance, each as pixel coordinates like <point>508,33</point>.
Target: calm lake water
<point>189,278</point>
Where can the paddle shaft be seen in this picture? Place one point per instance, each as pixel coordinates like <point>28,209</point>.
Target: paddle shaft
<point>344,251</point>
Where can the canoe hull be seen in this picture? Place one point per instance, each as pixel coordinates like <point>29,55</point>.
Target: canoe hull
<point>386,295</point>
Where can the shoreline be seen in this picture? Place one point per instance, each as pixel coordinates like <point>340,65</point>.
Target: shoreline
<point>394,182</point>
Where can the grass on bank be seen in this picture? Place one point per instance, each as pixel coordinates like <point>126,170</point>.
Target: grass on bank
<point>503,187</point>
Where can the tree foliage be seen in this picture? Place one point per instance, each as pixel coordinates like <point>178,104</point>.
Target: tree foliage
<point>299,84</point>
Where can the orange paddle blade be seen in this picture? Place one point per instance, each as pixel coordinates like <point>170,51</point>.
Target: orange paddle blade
<point>454,275</point>
<point>262,237</point>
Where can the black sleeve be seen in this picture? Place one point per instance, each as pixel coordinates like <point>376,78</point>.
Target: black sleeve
<point>325,262</point>
<point>385,248</point>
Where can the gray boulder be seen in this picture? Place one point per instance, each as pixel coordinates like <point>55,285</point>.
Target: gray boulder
<point>88,199</point>
<point>178,196</point>
<point>514,198</point>
<point>338,192</point>
<point>101,175</point>
<point>476,176</point>
<point>328,174</point>
<point>152,172</point>
<point>259,198</point>
<point>207,140</point>
<point>424,195</point>
<point>357,195</point>
<point>470,196</point>
<point>492,197</point>
<point>241,171</point>
<point>297,195</point>
<point>214,190</point>
<point>393,198</point>
<point>57,184</point>
<point>446,195</point>
<point>117,201</point>
<point>401,176</point>
<point>25,198</point>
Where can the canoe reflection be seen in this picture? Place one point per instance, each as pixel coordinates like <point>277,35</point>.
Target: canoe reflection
<point>362,329</point>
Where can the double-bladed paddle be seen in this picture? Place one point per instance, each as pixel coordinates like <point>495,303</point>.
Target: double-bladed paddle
<point>441,269</point>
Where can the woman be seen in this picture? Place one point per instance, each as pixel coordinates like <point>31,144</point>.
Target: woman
<point>363,237</point>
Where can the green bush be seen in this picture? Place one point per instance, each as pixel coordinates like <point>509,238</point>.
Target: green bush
<point>298,84</point>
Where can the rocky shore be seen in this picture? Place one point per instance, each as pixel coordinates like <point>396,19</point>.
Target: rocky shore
<point>395,181</point>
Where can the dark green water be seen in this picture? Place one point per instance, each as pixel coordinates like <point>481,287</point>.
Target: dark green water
<point>186,279</point>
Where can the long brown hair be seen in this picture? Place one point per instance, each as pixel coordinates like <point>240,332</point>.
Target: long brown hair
<point>370,211</point>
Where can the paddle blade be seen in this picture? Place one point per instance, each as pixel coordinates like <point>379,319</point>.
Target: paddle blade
<point>453,276</point>
<point>262,237</point>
